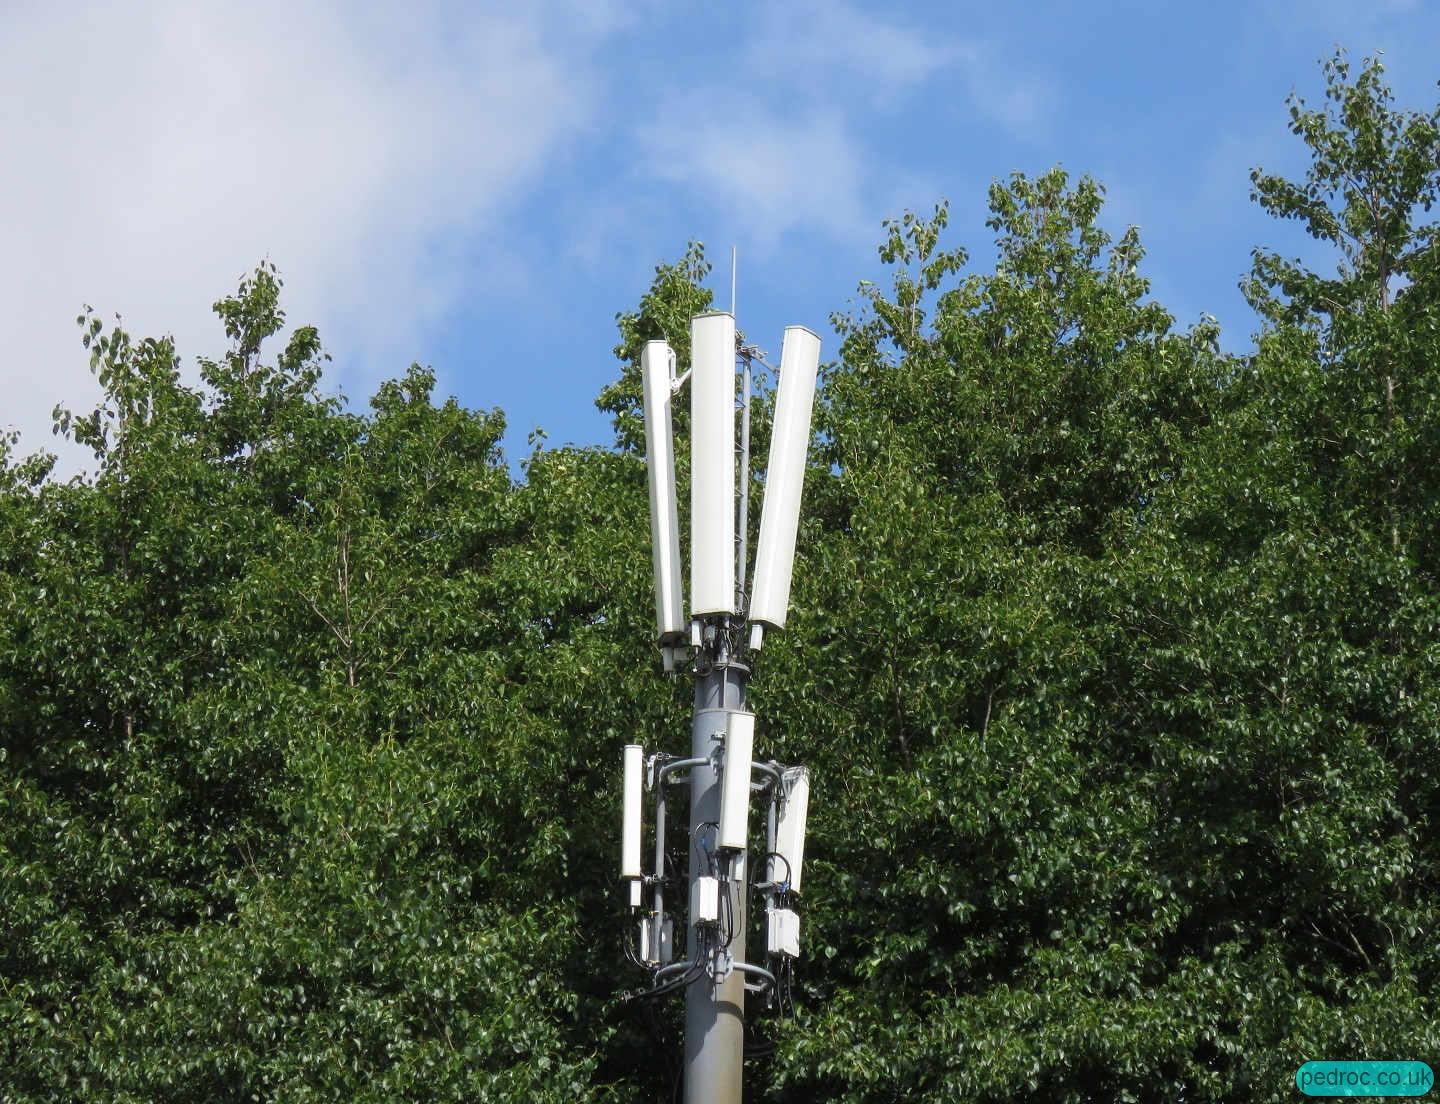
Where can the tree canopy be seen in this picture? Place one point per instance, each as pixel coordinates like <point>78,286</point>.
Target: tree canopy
<point>1112,655</point>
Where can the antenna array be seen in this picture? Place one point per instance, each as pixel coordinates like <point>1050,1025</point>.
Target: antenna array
<point>721,769</point>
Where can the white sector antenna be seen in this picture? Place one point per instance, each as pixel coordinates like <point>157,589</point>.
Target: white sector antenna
<point>630,839</point>
<point>790,832</point>
<point>735,781</point>
<point>657,369</point>
<point>785,478</point>
<point>712,464</point>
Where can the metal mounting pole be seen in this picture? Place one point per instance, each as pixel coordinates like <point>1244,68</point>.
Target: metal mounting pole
<point>659,901</point>
<point>742,511</point>
<point>715,1010</point>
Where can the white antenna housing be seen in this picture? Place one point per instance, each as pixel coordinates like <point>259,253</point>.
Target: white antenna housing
<point>784,478</point>
<point>790,832</point>
<point>712,464</point>
<point>782,932</point>
<point>735,781</point>
<point>657,370</point>
<point>630,838</point>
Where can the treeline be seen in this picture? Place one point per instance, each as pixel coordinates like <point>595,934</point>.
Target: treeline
<point>1114,657</point>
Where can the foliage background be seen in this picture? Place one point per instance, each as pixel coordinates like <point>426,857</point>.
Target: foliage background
<point>1113,657</point>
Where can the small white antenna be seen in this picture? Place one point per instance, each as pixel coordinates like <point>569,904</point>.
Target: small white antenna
<point>735,780</point>
<point>790,835</point>
<point>630,849</point>
<point>733,255</point>
<point>657,368</point>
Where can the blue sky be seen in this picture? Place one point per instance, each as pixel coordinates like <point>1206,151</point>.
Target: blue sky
<point>482,188</point>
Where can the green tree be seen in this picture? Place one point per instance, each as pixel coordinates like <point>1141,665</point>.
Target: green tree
<point>271,796</point>
<point>984,912</point>
<point>1123,687</point>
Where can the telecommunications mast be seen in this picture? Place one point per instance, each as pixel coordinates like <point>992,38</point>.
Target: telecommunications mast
<point>726,625</point>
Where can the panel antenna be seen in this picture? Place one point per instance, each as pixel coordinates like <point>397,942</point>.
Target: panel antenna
<point>784,481</point>
<point>657,369</point>
<point>712,464</point>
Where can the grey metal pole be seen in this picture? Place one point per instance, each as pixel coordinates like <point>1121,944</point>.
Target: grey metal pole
<point>714,1011</point>
<point>659,905</point>
<point>742,519</point>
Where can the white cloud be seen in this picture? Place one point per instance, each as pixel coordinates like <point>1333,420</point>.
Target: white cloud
<point>809,42</point>
<point>768,173</point>
<point>155,152</point>
<point>1017,99</point>
<point>787,153</point>
<point>830,50</point>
